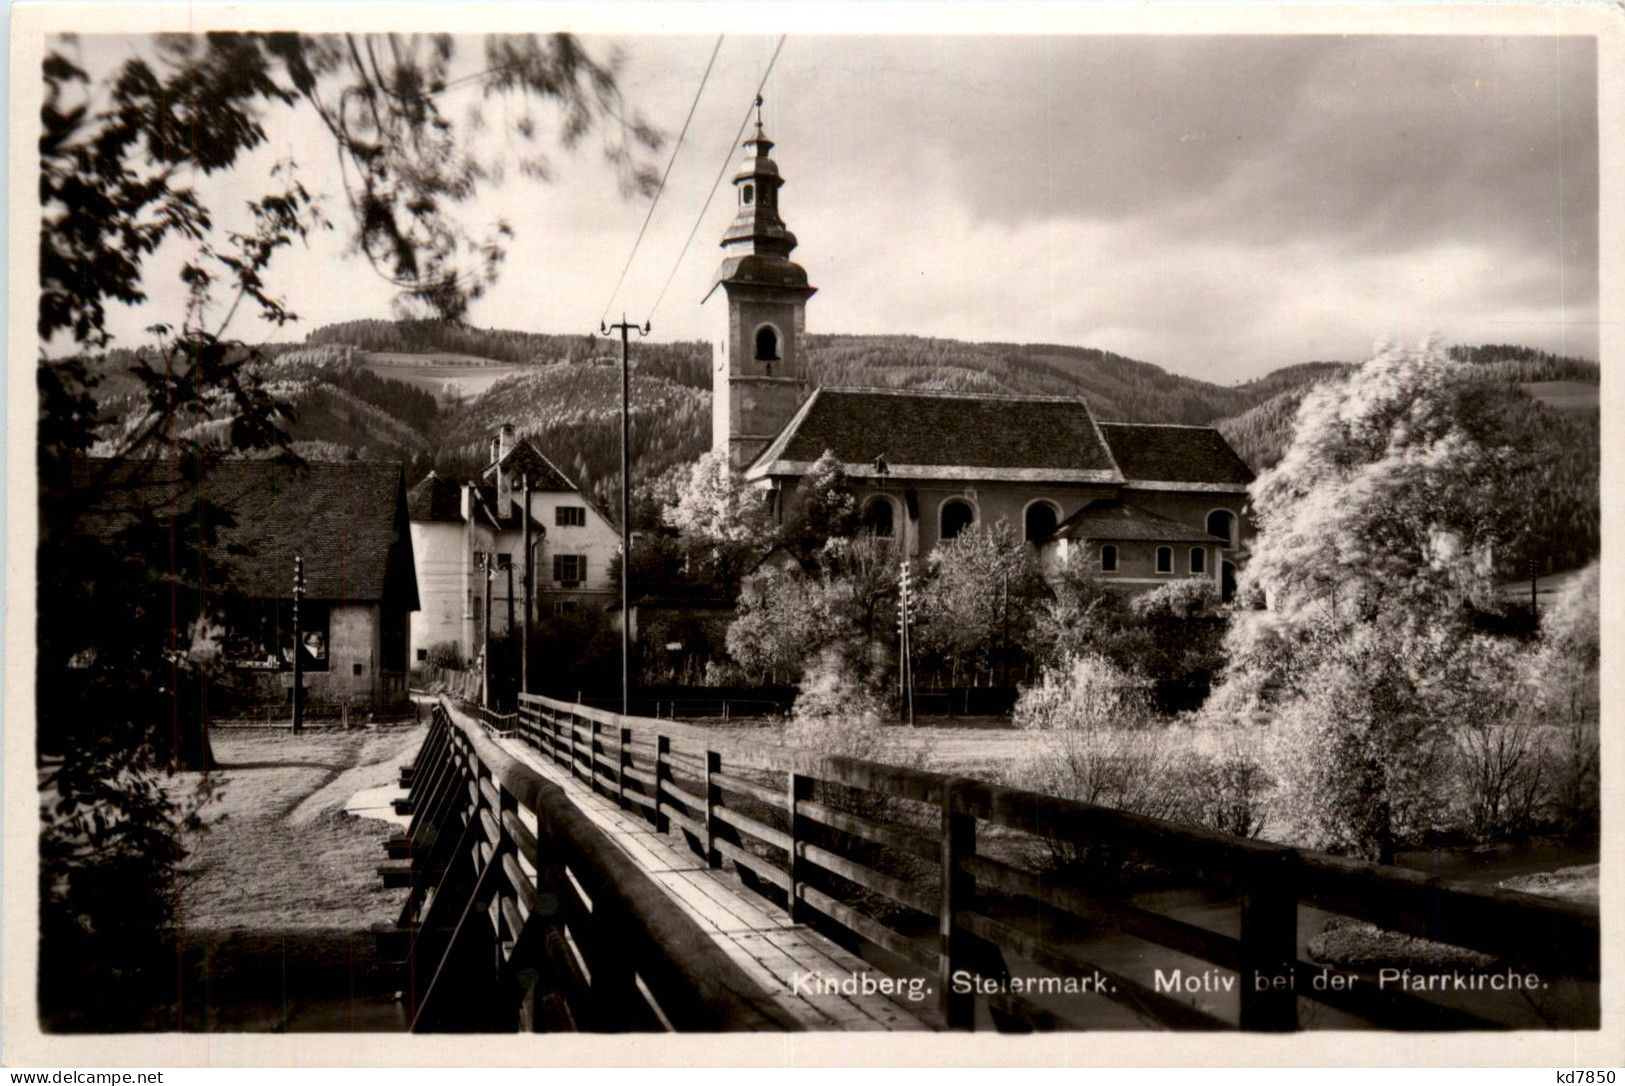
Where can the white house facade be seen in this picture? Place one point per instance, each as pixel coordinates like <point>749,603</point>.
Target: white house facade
<point>476,543</point>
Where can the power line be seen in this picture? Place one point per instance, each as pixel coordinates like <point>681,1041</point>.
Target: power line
<point>662,187</point>
<point>725,163</point>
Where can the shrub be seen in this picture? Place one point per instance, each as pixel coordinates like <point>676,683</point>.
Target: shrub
<point>837,713</point>
<point>1100,747</point>
<point>445,654</point>
<point>1230,792</point>
<point>1364,753</point>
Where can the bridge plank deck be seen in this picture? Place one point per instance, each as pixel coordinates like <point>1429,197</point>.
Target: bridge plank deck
<point>760,938</point>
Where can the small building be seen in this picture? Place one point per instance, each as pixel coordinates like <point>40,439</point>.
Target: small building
<point>468,533</point>
<point>347,522</point>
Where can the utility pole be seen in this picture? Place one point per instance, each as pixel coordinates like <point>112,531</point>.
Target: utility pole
<point>485,634</point>
<point>298,647</point>
<point>511,618</point>
<point>625,328</point>
<point>905,619</point>
<point>524,631</point>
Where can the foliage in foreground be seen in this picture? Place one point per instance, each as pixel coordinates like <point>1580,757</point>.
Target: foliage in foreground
<point>123,697</point>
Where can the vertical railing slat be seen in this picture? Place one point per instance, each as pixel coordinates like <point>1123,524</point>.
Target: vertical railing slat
<point>958,840</point>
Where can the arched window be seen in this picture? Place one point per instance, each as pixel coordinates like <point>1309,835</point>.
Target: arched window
<point>1041,521</point>
<point>1198,559</point>
<point>957,515</point>
<point>767,344</point>
<point>748,194</point>
<point>877,515</point>
<point>1165,559</point>
<point>1108,558</point>
<point>1222,523</point>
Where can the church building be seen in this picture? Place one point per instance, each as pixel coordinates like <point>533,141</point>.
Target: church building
<point>1140,503</point>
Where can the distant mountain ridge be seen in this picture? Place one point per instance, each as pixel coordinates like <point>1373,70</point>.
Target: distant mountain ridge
<point>565,395</point>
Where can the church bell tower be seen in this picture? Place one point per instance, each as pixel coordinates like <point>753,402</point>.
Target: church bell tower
<point>757,375</point>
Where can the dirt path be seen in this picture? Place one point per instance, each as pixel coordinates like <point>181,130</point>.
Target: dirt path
<point>281,888</point>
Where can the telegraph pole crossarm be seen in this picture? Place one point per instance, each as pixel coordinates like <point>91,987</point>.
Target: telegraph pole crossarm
<point>625,328</point>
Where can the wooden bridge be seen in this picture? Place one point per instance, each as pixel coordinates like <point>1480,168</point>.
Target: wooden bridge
<point>570,868</point>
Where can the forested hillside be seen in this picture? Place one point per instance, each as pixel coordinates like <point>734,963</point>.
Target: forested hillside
<point>566,398</point>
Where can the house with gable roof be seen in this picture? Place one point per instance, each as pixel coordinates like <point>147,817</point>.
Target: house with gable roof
<point>347,524</point>
<point>522,514</point>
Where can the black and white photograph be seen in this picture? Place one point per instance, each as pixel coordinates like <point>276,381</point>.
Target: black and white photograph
<point>627,524</point>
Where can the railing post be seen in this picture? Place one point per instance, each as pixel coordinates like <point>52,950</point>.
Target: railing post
<point>800,790</point>
<point>575,747</point>
<point>713,800</point>
<point>662,749</point>
<point>592,755</point>
<point>1269,943</point>
<point>623,758</point>
<point>958,840</point>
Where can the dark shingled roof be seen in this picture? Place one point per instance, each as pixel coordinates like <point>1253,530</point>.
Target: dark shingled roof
<point>1175,454</point>
<point>525,460</point>
<point>1112,519</point>
<point>348,521</point>
<point>944,429</point>
<point>436,498</point>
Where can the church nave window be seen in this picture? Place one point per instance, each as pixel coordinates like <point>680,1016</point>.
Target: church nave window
<point>1041,519</point>
<point>957,515</point>
<point>1165,559</point>
<point>877,516</point>
<point>1108,559</point>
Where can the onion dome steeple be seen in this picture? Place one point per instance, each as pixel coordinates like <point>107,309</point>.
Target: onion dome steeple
<point>756,246</point>
<point>757,227</point>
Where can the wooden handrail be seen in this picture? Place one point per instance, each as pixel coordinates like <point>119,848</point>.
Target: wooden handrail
<point>585,939</point>
<point>1270,881</point>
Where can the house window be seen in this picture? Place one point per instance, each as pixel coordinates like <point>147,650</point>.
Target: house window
<point>957,515</point>
<point>1198,559</point>
<point>570,516</point>
<point>767,344</point>
<point>878,516</point>
<point>564,607</point>
<point>504,560</point>
<point>1165,559</point>
<point>423,654</point>
<point>1041,519</point>
<point>1108,558</point>
<point>1222,523</point>
<point>570,569</point>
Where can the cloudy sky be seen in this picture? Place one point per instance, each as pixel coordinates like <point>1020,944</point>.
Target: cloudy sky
<point>1219,206</point>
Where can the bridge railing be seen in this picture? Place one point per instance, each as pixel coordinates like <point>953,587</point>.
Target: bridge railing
<point>520,914</point>
<point>938,876</point>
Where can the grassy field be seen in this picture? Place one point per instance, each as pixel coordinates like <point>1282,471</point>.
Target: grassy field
<point>463,375</point>
<point>282,888</point>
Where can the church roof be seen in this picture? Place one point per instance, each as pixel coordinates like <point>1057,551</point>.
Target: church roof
<point>943,435</point>
<point>1175,454</point>
<point>1109,519</point>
